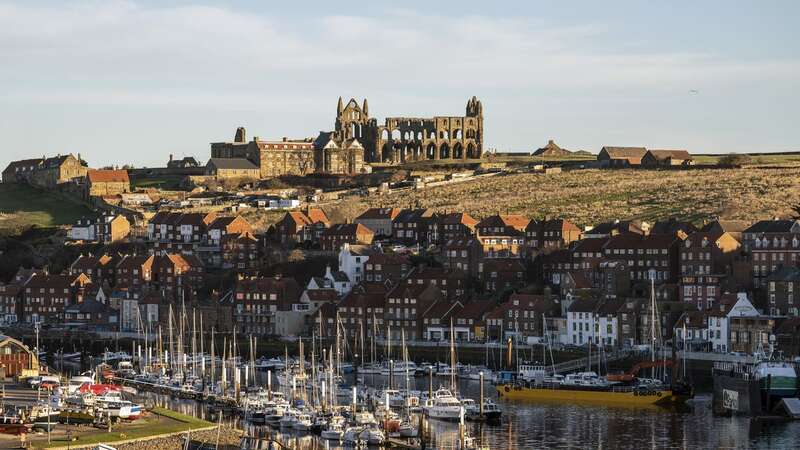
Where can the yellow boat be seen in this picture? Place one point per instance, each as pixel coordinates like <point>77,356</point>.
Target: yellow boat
<point>615,395</point>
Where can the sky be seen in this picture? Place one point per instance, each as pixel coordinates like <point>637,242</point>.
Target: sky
<point>135,81</point>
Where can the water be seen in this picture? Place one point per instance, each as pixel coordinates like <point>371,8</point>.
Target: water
<point>561,425</point>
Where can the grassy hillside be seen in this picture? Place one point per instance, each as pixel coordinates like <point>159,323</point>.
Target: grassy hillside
<point>23,205</point>
<point>592,196</point>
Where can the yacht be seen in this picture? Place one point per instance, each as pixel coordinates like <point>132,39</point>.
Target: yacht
<point>399,368</point>
<point>444,406</point>
<point>335,429</point>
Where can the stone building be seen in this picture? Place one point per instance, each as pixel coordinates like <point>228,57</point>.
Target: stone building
<point>342,157</point>
<point>232,168</point>
<point>45,172</point>
<point>107,182</point>
<point>272,158</point>
<point>402,139</point>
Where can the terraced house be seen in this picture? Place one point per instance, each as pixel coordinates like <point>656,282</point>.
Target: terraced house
<point>773,244</point>
<point>257,299</point>
<point>502,235</point>
<point>45,296</point>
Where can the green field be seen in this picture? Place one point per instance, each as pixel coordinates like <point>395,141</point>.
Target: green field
<point>166,182</point>
<point>22,205</point>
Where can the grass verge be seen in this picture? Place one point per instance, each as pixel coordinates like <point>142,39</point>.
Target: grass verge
<point>161,421</point>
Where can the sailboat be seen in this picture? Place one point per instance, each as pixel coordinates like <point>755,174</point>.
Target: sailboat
<point>444,404</point>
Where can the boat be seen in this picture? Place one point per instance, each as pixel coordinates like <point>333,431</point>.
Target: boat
<point>333,432</point>
<point>304,422</point>
<point>77,416</point>
<point>444,406</point>
<point>372,435</point>
<point>752,388</point>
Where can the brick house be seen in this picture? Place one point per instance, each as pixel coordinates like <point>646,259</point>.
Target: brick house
<point>456,225</point>
<point>45,296</point>
<point>643,253</point>
<point>783,292</point>
<point>334,237</point>
<point>411,226</point>
<point>100,183</point>
<point>240,251</point>
<point>10,303</point>
<point>588,253</point>
<point>179,227</point>
<point>100,269</point>
<point>134,272</point>
<point>177,276</point>
<point>551,234</point>
<point>499,275</point>
<point>257,299</point>
<point>381,267</point>
<point>452,283</point>
<point>363,309</point>
<point>91,314</point>
<point>405,308</point>
<point>521,316</point>
<point>462,253</point>
<point>379,220</point>
<point>502,236</point>
<point>706,261</point>
<point>772,244</point>
<point>222,226</point>
<point>300,227</point>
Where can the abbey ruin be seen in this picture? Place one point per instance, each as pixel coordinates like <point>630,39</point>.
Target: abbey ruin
<point>405,139</point>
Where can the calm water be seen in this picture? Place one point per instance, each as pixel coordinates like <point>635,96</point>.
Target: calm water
<point>557,425</point>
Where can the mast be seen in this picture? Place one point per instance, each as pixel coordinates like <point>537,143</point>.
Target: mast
<point>213,358</point>
<point>194,342</point>
<point>374,333</point>
<point>202,351</point>
<point>653,321</point>
<point>452,357</point>
<point>361,336</point>
<point>338,348</point>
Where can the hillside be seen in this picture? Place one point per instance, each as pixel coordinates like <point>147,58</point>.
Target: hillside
<point>23,205</point>
<point>592,196</point>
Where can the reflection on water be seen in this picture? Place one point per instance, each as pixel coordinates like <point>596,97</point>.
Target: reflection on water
<point>549,425</point>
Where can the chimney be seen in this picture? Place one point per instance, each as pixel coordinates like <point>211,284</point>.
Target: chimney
<point>328,274</point>
<point>285,139</point>
<point>170,156</point>
<point>550,142</point>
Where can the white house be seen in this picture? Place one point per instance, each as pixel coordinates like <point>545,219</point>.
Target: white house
<point>351,261</point>
<point>83,230</point>
<point>581,322</point>
<point>717,328</point>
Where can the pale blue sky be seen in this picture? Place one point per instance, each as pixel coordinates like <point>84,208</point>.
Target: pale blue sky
<point>133,81</point>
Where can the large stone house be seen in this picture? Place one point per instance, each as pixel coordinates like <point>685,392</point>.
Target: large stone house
<point>107,182</point>
<point>271,158</point>
<point>45,172</point>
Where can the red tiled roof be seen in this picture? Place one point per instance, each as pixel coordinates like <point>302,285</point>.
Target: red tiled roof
<point>108,176</point>
<point>379,213</point>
